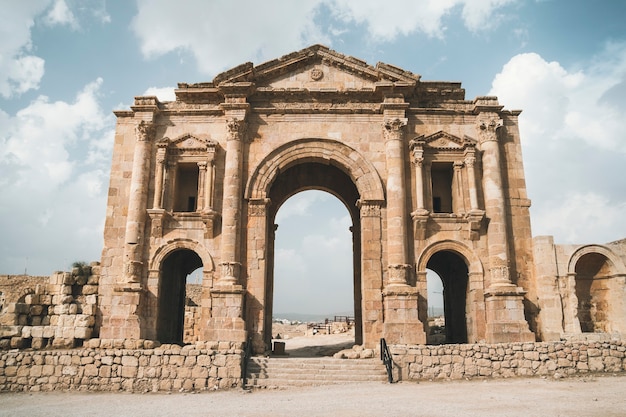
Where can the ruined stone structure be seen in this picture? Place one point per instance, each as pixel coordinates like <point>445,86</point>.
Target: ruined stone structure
<point>430,179</point>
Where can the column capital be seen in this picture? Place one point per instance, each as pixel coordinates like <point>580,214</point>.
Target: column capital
<point>470,160</point>
<point>488,126</point>
<point>202,165</point>
<point>236,128</point>
<point>258,207</point>
<point>394,128</point>
<point>145,131</point>
<point>416,146</point>
<point>369,208</point>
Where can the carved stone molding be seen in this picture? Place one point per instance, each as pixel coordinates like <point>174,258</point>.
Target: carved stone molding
<point>420,221</point>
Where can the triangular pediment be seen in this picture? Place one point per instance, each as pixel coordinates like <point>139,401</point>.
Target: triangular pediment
<point>444,140</point>
<point>317,68</point>
<point>188,142</point>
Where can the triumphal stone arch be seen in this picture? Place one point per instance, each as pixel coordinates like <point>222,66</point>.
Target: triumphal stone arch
<point>431,181</point>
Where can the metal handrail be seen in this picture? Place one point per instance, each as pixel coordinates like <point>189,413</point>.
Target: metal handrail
<point>244,365</point>
<point>385,356</point>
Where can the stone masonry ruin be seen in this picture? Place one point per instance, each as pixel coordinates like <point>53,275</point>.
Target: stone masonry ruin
<point>431,181</point>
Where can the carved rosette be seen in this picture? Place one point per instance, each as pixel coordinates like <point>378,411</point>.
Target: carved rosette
<point>236,129</point>
<point>394,128</point>
<point>488,128</point>
<point>398,274</point>
<point>369,208</point>
<point>144,131</point>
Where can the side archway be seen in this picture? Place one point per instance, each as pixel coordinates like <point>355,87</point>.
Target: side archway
<point>170,266</point>
<point>461,273</point>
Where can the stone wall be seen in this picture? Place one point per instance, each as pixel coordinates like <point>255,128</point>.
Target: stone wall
<point>118,365</point>
<point>59,312</point>
<point>555,359</point>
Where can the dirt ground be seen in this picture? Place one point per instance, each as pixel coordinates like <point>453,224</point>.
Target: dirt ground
<point>580,396</point>
<point>588,396</point>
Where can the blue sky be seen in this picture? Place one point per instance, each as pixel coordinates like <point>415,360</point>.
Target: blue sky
<point>66,64</point>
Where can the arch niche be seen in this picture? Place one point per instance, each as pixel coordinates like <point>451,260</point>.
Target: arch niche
<point>595,270</point>
<point>325,165</point>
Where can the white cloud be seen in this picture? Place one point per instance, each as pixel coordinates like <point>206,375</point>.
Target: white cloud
<point>20,71</point>
<point>54,165</point>
<point>163,93</point>
<point>581,216</point>
<point>61,15</point>
<point>220,34</point>
<point>572,130</point>
<point>268,29</point>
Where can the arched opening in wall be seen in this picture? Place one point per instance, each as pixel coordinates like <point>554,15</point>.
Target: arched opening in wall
<point>593,271</point>
<point>175,269</point>
<point>315,257</point>
<point>436,315</point>
<point>453,272</point>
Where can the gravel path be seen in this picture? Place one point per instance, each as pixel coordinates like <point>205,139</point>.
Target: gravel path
<point>588,396</point>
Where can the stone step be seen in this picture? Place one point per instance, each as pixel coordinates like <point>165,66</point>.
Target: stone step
<point>286,372</point>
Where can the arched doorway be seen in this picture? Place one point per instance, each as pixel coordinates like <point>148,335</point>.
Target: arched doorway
<point>174,270</point>
<point>453,271</point>
<point>315,176</point>
<point>593,271</point>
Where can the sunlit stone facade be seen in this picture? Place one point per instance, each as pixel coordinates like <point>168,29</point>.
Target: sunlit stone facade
<point>431,181</point>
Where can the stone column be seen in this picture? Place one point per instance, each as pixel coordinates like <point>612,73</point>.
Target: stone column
<point>202,174</point>
<point>208,191</point>
<point>417,151</point>
<point>503,300</point>
<point>231,213</point>
<point>495,205</point>
<point>159,176</point>
<point>398,268</point>
<point>401,321</point>
<point>137,203</point>
<point>458,200</point>
<point>470,164</point>
<point>170,184</point>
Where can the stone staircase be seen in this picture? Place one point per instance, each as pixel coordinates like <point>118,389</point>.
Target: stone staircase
<point>273,372</point>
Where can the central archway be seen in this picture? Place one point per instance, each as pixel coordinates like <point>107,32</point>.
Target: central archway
<point>330,166</point>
